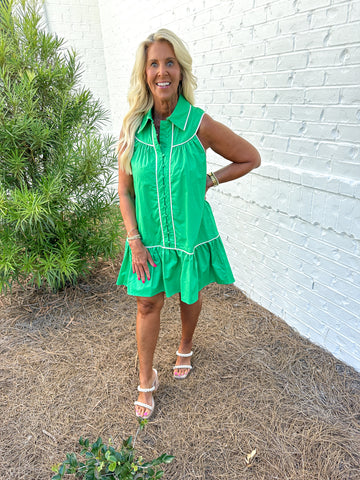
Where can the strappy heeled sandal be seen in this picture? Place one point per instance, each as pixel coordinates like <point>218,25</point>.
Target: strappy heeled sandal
<point>146,390</point>
<point>182,367</point>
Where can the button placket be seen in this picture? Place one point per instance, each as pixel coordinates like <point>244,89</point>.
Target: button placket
<point>164,186</point>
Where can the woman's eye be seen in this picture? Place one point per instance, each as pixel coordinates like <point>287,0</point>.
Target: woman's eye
<point>170,63</point>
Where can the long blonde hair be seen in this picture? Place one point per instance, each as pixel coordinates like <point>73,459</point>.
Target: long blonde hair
<point>140,98</point>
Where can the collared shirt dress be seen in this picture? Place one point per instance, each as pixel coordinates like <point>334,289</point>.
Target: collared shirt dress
<point>175,221</point>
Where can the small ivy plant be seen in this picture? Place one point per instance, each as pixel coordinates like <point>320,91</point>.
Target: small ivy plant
<point>102,462</point>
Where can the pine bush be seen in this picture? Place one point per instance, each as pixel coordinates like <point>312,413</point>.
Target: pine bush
<point>58,212</point>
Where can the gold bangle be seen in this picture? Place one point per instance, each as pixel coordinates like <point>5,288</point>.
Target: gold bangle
<point>213,178</point>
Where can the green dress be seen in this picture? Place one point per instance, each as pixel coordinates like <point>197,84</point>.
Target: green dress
<point>175,221</point>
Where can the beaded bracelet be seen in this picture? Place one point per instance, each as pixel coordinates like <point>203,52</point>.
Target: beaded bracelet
<point>134,237</point>
<point>213,178</point>
<point>129,232</point>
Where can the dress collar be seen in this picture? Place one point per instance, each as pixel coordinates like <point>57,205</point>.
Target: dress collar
<point>179,116</point>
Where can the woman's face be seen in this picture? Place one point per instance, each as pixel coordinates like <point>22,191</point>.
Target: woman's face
<point>163,73</point>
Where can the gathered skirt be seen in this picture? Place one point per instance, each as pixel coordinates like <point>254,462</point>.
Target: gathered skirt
<point>178,271</point>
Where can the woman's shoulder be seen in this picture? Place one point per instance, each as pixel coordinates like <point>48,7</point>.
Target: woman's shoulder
<point>206,127</point>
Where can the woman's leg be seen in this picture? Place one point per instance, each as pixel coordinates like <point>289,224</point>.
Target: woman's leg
<point>147,332</point>
<point>189,318</point>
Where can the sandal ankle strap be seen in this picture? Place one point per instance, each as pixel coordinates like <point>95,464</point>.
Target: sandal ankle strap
<point>151,389</point>
<point>146,390</point>
<point>184,354</point>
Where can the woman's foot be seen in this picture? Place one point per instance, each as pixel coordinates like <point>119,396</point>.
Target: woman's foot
<point>144,406</point>
<point>183,366</point>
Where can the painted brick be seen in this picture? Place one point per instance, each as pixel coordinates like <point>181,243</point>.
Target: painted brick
<point>264,64</point>
<point>343,76</point>
<point>279,79</point>
<point>311,39</point>
<point>309,78</point>
<point>289,128</point>
<point>328,17</point>
<point>344,36</point>
<point>346,169</point>
<point>254,16</point>
<point>346,113</point>
<point>303,146</point>
<point>323,96</point>
<point>350,95</point>
<point>252,81</point>
<point>241,96</point>
<point>292,61</point>
<point>264,31</point>
<point>279,45</point>
<point>279,9</point>
<point>277,111</point>
<point>354,11</point>
<point>333,151</point>
<point>279,96</point>
<point>302,5</point>
<point>306,112</point>
<point>295,24</point>
<point>349,133</point>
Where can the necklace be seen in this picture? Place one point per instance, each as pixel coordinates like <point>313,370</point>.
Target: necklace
<point>157,121</point>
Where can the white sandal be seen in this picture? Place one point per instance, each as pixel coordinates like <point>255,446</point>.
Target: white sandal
<point>146,390</point>
<point>182,367</point>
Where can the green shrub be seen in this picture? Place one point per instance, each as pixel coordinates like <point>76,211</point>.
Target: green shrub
<point>101,462</point>
<point>57,207</point>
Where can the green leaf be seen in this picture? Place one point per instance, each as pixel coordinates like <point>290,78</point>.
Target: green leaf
<point>168,458</point>
<point>112,467</point>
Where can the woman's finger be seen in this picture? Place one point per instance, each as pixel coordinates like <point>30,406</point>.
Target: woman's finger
<point>150,260</point>
<point>140,271</point>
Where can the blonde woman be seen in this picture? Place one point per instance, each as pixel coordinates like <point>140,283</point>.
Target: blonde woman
<point>173,245</point>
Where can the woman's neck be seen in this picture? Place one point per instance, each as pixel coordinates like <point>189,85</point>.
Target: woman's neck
<point>163,109</point>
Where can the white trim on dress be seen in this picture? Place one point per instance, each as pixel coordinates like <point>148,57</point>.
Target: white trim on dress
<point>157,184</point>
<point>180,249</point>
<point>148,144</point>
<point>187,118</point>
<point>171,207</point>
<point>188,140</point>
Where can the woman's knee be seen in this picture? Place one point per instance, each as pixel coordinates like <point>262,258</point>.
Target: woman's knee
<point>149,305</point>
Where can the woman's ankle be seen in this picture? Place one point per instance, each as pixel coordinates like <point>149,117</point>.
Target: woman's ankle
<point>147,379</point>
<point>185,346</point>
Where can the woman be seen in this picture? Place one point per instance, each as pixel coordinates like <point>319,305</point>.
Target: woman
<point>173,245</point>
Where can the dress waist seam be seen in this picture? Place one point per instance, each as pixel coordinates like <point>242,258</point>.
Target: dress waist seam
<point>180,249</point>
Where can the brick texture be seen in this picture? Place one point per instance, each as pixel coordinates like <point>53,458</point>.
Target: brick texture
<point>285,75</point>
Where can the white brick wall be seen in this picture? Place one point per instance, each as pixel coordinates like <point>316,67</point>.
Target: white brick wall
<point>285,75</point>
<point>78,22</point>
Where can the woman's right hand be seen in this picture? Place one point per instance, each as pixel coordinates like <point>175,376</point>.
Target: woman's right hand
<point>140,260</point>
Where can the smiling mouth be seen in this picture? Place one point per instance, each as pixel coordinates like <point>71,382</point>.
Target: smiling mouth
<point>163,84</point>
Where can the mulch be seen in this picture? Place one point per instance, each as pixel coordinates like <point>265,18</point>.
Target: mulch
<point>69,369</point>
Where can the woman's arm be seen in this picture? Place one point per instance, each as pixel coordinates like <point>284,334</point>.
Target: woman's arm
<point>225,142</point>
<point>140,254</point>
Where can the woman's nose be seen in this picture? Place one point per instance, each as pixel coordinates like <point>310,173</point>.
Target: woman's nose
<point>162,69</point>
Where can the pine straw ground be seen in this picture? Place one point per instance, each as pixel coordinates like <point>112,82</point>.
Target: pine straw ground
<point>69,368</point>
